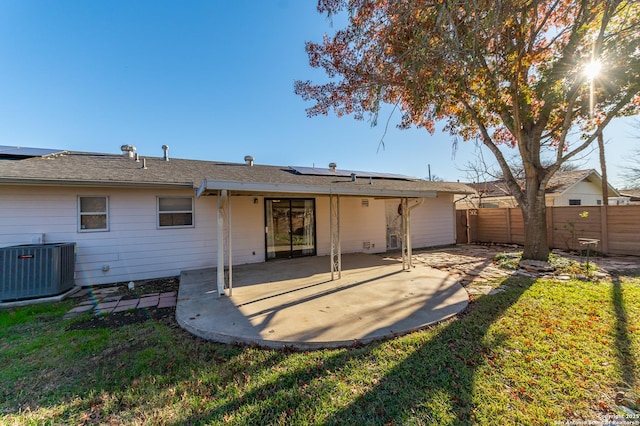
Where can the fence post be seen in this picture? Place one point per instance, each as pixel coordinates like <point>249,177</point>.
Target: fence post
<point>550,232</point>
<point>509,237</point>
<point>604,229</point>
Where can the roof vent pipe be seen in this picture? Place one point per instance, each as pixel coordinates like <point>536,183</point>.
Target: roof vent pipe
<point>248,159</point>
<point>165,149</point>
<point>144,163</point>
<point>332,167</point>
<point>353,177</point>
<point>137,157</point>
<point>127,150</point>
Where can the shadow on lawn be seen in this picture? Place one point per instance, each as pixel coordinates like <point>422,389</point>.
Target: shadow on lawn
<point>437,376</point>
<point>624,353</point>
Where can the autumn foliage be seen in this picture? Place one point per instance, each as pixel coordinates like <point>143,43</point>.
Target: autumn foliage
<point>499,72</point>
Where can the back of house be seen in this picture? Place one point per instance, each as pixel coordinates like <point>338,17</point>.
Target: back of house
<point>136,217</point>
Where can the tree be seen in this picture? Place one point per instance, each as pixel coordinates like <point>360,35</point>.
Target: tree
<point>504,73</point>
<point>632,169</point>
<point>603,169</point>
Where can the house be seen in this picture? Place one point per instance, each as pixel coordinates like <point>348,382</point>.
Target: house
<point>566,188</point>
<point>627,197</point>
<point>135,218</point>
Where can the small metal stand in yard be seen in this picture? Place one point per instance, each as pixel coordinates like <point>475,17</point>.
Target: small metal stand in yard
<point>589,242</point>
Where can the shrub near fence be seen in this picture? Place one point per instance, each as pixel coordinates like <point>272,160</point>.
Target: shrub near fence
<point>617,227</point>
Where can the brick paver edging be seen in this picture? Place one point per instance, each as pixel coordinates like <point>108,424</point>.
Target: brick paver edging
<point>112,304</point>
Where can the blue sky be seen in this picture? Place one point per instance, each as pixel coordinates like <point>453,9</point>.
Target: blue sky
<point>211,79</point>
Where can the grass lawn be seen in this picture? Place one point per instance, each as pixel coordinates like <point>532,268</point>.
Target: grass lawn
<point>540,352</point>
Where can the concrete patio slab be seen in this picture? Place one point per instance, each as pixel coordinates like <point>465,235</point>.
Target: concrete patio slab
<point>47,299</point>
<point>294,303</point>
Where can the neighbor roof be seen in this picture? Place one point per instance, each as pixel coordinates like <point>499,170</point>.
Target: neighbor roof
<point>558,184</point>
<point>94,169</point>
<point>632,193</point>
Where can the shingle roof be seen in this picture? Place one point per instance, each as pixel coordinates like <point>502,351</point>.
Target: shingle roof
<point>559,183</point>
<point>633,193</point>
<point>77,168</point>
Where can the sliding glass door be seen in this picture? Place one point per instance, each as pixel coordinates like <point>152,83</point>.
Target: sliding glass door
<point>290,227</point>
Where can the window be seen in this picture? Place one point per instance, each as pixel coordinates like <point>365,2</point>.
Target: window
<point>575,202</point>
<point>93,214</point>
<point>599,202</point>
<point>174,212</point>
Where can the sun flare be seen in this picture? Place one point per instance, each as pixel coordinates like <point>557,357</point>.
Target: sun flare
<point>592,69</point>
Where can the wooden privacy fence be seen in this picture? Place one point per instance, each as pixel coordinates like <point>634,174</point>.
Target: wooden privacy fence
<point>617,227</point>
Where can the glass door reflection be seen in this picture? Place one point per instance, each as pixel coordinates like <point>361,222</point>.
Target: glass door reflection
<point>290,228</point>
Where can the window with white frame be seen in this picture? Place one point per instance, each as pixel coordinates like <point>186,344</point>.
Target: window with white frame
<point>93,213</point>
<point>175,212</point>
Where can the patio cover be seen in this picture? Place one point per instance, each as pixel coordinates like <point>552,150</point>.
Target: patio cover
<point>332,186</point>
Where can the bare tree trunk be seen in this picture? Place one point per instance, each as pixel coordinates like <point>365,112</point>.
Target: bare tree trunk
<point>603,168</point>
<point>536,245</point>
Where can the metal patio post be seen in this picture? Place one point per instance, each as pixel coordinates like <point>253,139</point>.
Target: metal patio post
<point>334,225</point>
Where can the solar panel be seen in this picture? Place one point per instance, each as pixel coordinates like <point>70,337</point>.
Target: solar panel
<point>19,151</point>
<point>347,173</point>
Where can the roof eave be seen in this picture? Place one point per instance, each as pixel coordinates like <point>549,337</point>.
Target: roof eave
<point>591,172</point>
<point>210,185</point>
<point>67,182</point>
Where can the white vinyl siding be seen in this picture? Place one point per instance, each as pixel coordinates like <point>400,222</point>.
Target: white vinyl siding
<point>93,213</point>
<point>136,248</point>
<point>587,192</point>
<point>434,222</point>
<point>247,228</point>
<point>175,212</point>
<point>358,225</point>
<point>133,249</point>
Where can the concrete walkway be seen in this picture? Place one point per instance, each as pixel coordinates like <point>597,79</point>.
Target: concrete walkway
<point>294,303</point>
